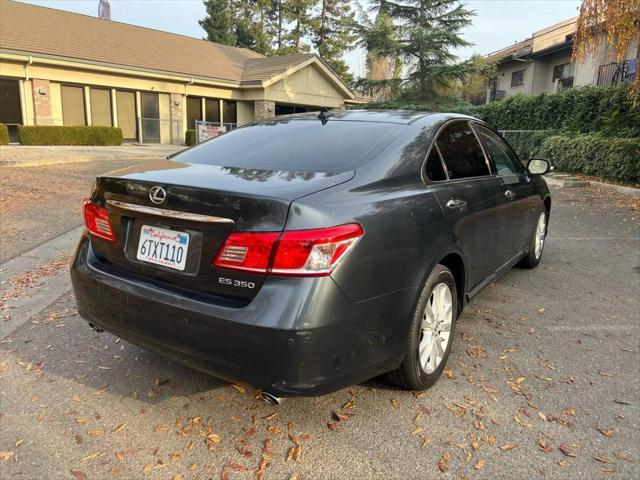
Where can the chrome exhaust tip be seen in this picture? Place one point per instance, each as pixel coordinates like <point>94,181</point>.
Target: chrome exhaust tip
<point>95,328</point>
<point>271,399</point>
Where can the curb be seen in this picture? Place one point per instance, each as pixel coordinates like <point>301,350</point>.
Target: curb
<point>568,181</point>
<point>41,162</point>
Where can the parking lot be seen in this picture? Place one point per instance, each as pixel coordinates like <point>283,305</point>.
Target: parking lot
<point>542,381</point>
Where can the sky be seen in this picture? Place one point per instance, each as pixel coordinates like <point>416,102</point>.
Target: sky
<point>497,23</point>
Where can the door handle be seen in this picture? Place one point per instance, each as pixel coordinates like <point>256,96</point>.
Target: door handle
<point>510,194</point>
<point>454,203</point>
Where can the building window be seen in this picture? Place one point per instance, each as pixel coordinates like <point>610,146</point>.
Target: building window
<point>73,111</point>
<point>212,110</point>
<point>10,111</point>
<point>562,71</point>
<point>126,107</point>
<point>517,78</point>
<point>194,111</point>
<point>101,107</point>
<point>229,112</point>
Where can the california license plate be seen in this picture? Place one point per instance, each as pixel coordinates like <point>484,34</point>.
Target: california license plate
<point>163,247</point>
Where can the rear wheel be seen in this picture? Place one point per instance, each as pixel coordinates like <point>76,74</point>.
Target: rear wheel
<point>532,259</point>
<point>431,332</point>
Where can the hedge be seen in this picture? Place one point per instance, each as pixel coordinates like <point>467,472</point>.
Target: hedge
<point>56,135</point>
<point>4,134</point>
<point>527,144</point>
<point>606,110</point>
<point>613,158</point>
<point>190,137</point>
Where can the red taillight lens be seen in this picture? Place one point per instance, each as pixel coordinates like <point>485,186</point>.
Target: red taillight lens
<point>300,252</point>
<point>247,251</point>
<point>96,219</point>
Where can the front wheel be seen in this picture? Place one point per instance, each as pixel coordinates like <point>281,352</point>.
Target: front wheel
<point>431,332</point>
<point>532,258</point>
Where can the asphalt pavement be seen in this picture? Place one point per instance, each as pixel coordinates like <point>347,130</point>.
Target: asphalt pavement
<point>542,383</point>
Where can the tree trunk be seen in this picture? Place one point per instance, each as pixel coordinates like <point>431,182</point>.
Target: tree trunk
<point>323,15</point>
<point>279,25</point>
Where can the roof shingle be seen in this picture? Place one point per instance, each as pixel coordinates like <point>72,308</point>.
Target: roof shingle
<point>47,31</point>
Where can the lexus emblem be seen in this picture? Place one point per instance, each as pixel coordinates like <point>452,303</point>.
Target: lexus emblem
<point>157,195</point>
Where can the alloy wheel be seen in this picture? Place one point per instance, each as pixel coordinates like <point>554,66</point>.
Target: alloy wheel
<point>541,232</point>
<point>436,328</point>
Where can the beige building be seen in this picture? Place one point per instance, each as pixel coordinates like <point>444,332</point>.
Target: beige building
<point>61,68</point>
<point>542,63</point>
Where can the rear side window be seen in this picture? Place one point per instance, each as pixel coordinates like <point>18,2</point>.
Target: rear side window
<point>461,151</point>
<point>503,157</point>
<point>433,167</point>
<point>296,145</point>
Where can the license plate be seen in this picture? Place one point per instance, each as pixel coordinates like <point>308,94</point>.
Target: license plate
<point>163,247</point>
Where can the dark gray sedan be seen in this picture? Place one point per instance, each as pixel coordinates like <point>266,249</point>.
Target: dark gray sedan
<point>306,253</point>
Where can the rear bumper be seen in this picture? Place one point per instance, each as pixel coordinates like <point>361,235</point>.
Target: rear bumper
<point>298,336</point>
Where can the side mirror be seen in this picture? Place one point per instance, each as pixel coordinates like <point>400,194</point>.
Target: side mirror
<point>538,166</point>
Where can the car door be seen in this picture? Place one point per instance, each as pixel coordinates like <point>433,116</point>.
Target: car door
<point>472,200</point>
<point>522,205</point>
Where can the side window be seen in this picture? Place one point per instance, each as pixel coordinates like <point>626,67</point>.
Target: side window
<point>504,159</point>
<point>433,167</point>
<point>461,151</point>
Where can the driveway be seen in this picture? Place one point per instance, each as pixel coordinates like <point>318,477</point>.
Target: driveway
<point>542,383</point>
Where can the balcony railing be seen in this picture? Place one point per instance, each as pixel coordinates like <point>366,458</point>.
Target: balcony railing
<point>497,95</point>
<point>616,73</point>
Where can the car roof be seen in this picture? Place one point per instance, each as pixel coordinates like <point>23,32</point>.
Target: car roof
<point>377,116</point>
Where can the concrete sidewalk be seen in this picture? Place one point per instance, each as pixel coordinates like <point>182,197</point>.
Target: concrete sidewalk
<point>33,156</point>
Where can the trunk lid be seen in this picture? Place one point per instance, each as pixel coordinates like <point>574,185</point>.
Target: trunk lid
<point>207,202</point>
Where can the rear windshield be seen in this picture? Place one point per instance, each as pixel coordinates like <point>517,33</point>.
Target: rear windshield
<point>296,145</point>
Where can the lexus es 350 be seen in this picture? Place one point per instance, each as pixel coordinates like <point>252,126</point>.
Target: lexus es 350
<point>306,253</point>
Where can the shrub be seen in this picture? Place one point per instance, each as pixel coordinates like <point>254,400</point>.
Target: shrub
<point>528,144</point>
<point>613,158</point>
<point>57,135</point>
<point>4,134</point>
<point>607,110</point>
<point>190,137</point>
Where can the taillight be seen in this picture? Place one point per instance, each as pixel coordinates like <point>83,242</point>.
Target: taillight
<point>246,251</point>
<point>298,252</point>
<point>96,219</point>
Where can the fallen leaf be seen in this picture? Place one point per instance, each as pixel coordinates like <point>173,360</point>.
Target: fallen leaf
<point>332,426</point>
<point>565,450</point>
<point>82,420</point>
<point>479,464</point>
<point>507,447</point>
<point>91,456</point>
<point>491,440</point>
<point>598,458</point>
<point>19,442</point>
<point>177,476</point>
<point>519,380</point>
<point>119,428</point>
<point>606,432</point>
<point>161,427</point>
<point>175,456</point>
<point>95,432</point>
<point>569,411</point>
<point>394,403</point>
<point>239,388</point>
<point>79,474</point>
<point>4,455</point>
<point>271,416</point>
<point>443,463</point>
<point>425,440</point>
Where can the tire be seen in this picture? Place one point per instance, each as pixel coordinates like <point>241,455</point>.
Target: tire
<point>534,255</point>
<point>412,374</point>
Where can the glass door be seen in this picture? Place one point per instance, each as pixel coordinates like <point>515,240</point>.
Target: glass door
<point>150,118</point>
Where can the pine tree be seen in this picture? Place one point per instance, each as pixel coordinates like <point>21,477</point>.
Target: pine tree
<point>218,24</point>
<point>423,34</point>
<point>299,15</point>
<point>334,33</point>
